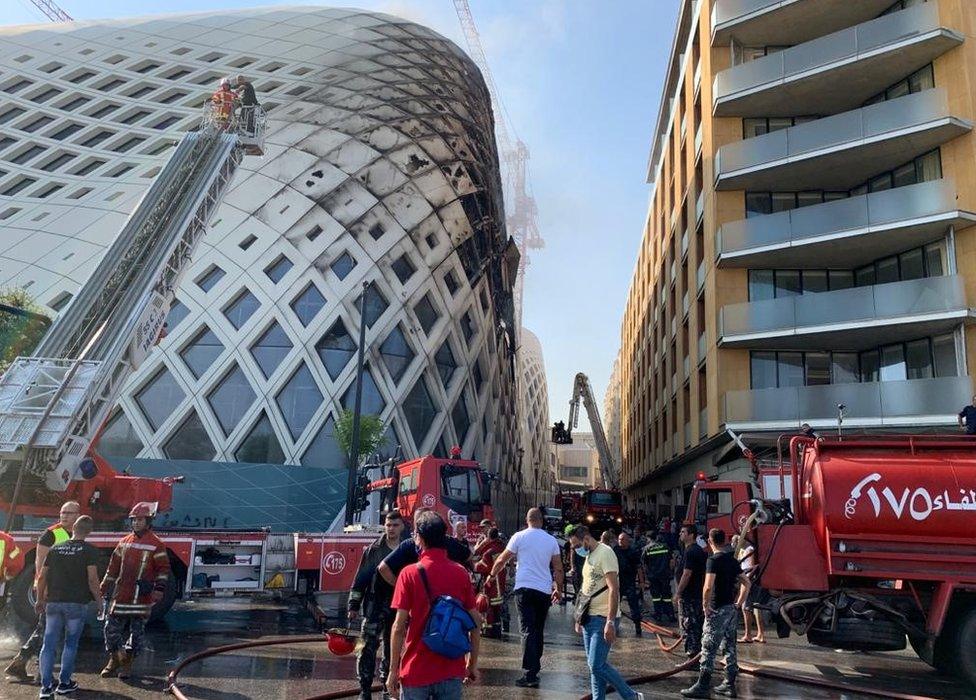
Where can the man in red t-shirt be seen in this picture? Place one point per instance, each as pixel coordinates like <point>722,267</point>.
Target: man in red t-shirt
<point>418,673</point>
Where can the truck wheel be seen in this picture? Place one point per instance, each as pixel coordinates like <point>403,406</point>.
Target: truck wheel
<point>22,596</point>
<point>963,647</point>
<point>860,634</point>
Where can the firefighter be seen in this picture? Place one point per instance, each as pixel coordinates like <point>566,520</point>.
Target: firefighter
<point>371,597</point>
<point>656,559</point>
<point>55,534</point>
<point>136,579</point>
<point>485,553</point>
<point>10,563</point>
<point>223,101</point>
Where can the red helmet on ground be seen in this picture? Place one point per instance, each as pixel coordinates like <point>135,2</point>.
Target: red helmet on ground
<point>341,643</point>
<point>144,509</point>
<point>481,603</point>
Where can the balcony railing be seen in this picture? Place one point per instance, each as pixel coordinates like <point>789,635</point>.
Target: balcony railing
<point>909,402</point>
<point>843,150</point>
<point>919,212</point>
<point>787,22</point>
<point>858,308</point>
<point>748,88</point>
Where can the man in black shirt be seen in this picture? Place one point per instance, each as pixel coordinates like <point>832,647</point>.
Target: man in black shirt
<point>631,577</point>
<point>68,582</point>
<point>248,100</point>
<point>722,580</point>
<point>688,593</point>
<point>967,417</point>
<point>409,553</point>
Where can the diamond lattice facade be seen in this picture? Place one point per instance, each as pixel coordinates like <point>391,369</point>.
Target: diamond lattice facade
<point>380,167</point>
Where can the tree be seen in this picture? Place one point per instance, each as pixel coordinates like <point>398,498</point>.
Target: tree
<point>22,325</point>
<point>371,433</point>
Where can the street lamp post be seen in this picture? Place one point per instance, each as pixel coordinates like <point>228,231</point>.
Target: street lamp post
<point>357,411</point>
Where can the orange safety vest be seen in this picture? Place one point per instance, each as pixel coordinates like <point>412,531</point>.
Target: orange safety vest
<point>10,565</point>
<point>223,101</point>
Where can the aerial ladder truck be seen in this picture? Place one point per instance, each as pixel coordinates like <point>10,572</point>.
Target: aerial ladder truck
<point>53,403</point>
<point>599,508</point>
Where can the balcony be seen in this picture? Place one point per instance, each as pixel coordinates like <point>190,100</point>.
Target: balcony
<point>911,402</point>
<point>853,319</point>
<point>837,72</point>
<point>841,151</point>
<point>881,223</point>
<point>787,22</point>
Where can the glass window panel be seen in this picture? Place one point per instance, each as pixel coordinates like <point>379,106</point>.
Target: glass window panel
<point>934,259</point>
<point>893,363</point>
<point>451,282</point>
<point>865,276</point>
<point>911,265</point>
<point>278,269</point>
<point>806,199</point>
<point>343,265</point>
<point>814,281</point>
<point>468,327</point>
<point>818,368</point>
<point>783,201</point>
<point>763,370</point>
<point>922,79</point>
<point>778,123</point>
<point>843,368</point>
<point>897,90</point>
<point>159,398</point>
<point>758,204</point>
<point>881,182</point>
<point>787,283</point>
<point>324,451</point>
<point>177,312</point>
<point>231,399</point>
<point>840,279</point>
<point>201,352</point>
<point>261,446</point>
<point>119,439</point>
<point>190,441</point>
<point>376,305</point>
<point>859,190</point>
<point>270,349</point>
<point>834,196</point>
<point>298,400</point>
<point>372,400</point>
<point>944,351</point>
<point>905,175</point>
<point>929,166</point>
<point>461,420</point>
<point>753,127</point>
<point>210,278</point>
<point>789,367</point>
<point>307,304</point>
<point>420,411</point>
<point>396,353</point>
<point>478,376</point>
<point>426,313</point>
<point>446,364</point>
<point>336,348</point>
<point>918,359</point>
<point>403,268</point>
<point>887,270</point>
<point>761,285</point>
<point>870,366</point>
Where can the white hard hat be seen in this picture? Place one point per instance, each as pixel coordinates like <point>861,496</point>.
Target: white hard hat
<point>225,82</point>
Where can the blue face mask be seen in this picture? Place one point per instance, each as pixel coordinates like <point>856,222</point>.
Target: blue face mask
<point>582,551</point>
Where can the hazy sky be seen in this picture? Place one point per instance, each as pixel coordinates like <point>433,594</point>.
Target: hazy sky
<point>581,82</point>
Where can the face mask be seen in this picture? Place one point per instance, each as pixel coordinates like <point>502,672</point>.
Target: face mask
<point>582,551</point>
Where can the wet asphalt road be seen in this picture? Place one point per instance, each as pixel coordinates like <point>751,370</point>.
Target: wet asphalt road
<point>292,672</point>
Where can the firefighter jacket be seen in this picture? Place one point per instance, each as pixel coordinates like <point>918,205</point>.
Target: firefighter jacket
<point>656,558</point>
<point>223,103</point>
<point>139,566</point>
<point>10,561</point>
<point>485,553</point>
<point>368,586</point>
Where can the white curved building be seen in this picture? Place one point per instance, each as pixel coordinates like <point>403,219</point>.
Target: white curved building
<point>380,166</point>
<point>538,468</point>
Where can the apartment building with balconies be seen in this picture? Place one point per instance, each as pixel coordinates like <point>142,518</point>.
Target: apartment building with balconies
<point>810,238</point>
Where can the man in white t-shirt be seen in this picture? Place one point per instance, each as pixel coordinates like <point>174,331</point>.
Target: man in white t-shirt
<point>538,584</point>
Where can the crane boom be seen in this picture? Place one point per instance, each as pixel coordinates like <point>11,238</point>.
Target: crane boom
<point>52,11</point>
<point>582,390</point>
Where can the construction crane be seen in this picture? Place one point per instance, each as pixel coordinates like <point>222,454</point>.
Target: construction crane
<point>562,434</point>
<point>522,213</point>
<point>52,11</point>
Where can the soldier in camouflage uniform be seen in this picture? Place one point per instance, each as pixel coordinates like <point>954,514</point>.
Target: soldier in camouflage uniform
<point>370,597</point>
<point>723,576</point>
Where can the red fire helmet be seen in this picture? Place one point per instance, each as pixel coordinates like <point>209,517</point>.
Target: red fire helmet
<point>481,603</point>
<point>144,509</point>
<point>340,642</point>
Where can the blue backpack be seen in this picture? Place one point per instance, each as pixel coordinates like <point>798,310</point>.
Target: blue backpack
<point>448,624</point>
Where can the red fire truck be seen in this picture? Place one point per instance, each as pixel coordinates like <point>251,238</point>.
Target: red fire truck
<point>602,508</point>
<point>863,542</point>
